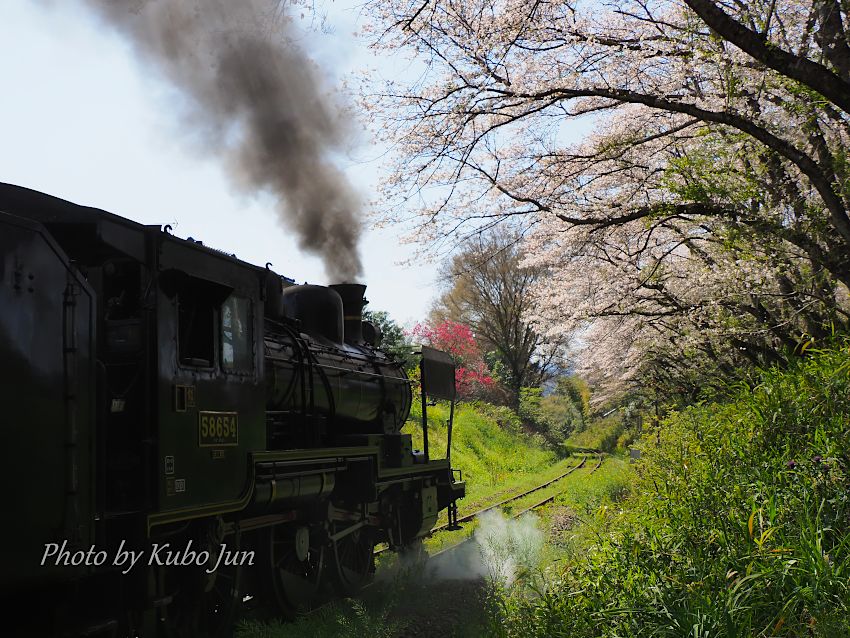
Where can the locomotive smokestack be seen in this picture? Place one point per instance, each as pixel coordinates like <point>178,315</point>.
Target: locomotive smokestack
<point>353,302</point>
<point>253,97</point>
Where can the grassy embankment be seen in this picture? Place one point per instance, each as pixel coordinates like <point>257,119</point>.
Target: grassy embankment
<point>488,446</point>
<point>497,458</point>
<point>738,525</point>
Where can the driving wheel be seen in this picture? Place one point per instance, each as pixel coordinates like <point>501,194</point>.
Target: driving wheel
<point>353,558</point>
<point>294,561</point>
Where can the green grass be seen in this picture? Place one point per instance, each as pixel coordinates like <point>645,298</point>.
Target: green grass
<point>488,445</point>
<point>607,485</point>
<point>497,457</point>
<point>342,619</point>
<point>738,524</point>
<point>579,487</point>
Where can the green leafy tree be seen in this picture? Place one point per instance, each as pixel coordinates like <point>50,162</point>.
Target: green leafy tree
<point>393,339</point>
<point>559,413</point>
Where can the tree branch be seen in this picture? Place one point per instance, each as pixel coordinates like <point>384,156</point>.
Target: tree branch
<point>815,76</point>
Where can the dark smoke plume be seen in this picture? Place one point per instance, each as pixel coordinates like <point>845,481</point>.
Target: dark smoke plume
<point>262,103</point>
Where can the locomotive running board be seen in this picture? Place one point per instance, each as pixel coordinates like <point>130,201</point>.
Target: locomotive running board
<point>226,507</point>
<point>413,470</point>
<point>340,454</point>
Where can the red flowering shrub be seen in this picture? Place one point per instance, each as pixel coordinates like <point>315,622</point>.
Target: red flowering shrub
<point>471,375</point>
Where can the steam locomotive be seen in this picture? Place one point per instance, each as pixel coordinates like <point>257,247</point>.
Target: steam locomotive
<point>186,434</point>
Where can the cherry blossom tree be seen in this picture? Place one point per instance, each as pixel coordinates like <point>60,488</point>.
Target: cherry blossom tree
<point>702,224</point>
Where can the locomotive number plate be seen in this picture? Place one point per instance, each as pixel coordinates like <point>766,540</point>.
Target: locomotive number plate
<point>216,429</point>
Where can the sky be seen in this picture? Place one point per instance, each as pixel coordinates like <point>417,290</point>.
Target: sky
<point>82,119</point>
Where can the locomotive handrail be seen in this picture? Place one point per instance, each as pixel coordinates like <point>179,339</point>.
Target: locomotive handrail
<point>265,465</point>
<point>350,371</point>
<point>366,374</point>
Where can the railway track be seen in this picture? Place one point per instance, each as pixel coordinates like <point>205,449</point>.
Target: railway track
<point>469,517</point>
<point>530,508</point>
<point>476,514</point>
<point>551,498</point>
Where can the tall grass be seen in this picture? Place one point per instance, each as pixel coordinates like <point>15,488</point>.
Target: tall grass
<point>738,524</point>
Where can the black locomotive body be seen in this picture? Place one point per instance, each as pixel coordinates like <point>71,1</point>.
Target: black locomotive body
<point>165,398</point>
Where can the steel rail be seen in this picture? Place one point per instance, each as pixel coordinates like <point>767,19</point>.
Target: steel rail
<point>549,499</point>
<point>546,500</point>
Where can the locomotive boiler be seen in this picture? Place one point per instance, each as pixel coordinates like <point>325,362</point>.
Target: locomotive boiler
<point>241,437</point>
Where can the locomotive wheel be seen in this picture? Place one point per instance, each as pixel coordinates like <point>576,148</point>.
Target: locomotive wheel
<point>292,581</point>
<point>353,560</point>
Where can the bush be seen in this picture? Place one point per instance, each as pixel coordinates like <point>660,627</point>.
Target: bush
<point>558,414</point>
<point>738,524</point>
<point>601,434</point>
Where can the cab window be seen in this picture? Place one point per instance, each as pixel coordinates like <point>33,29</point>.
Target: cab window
<point>195,330</point>
<point>237,353</point>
